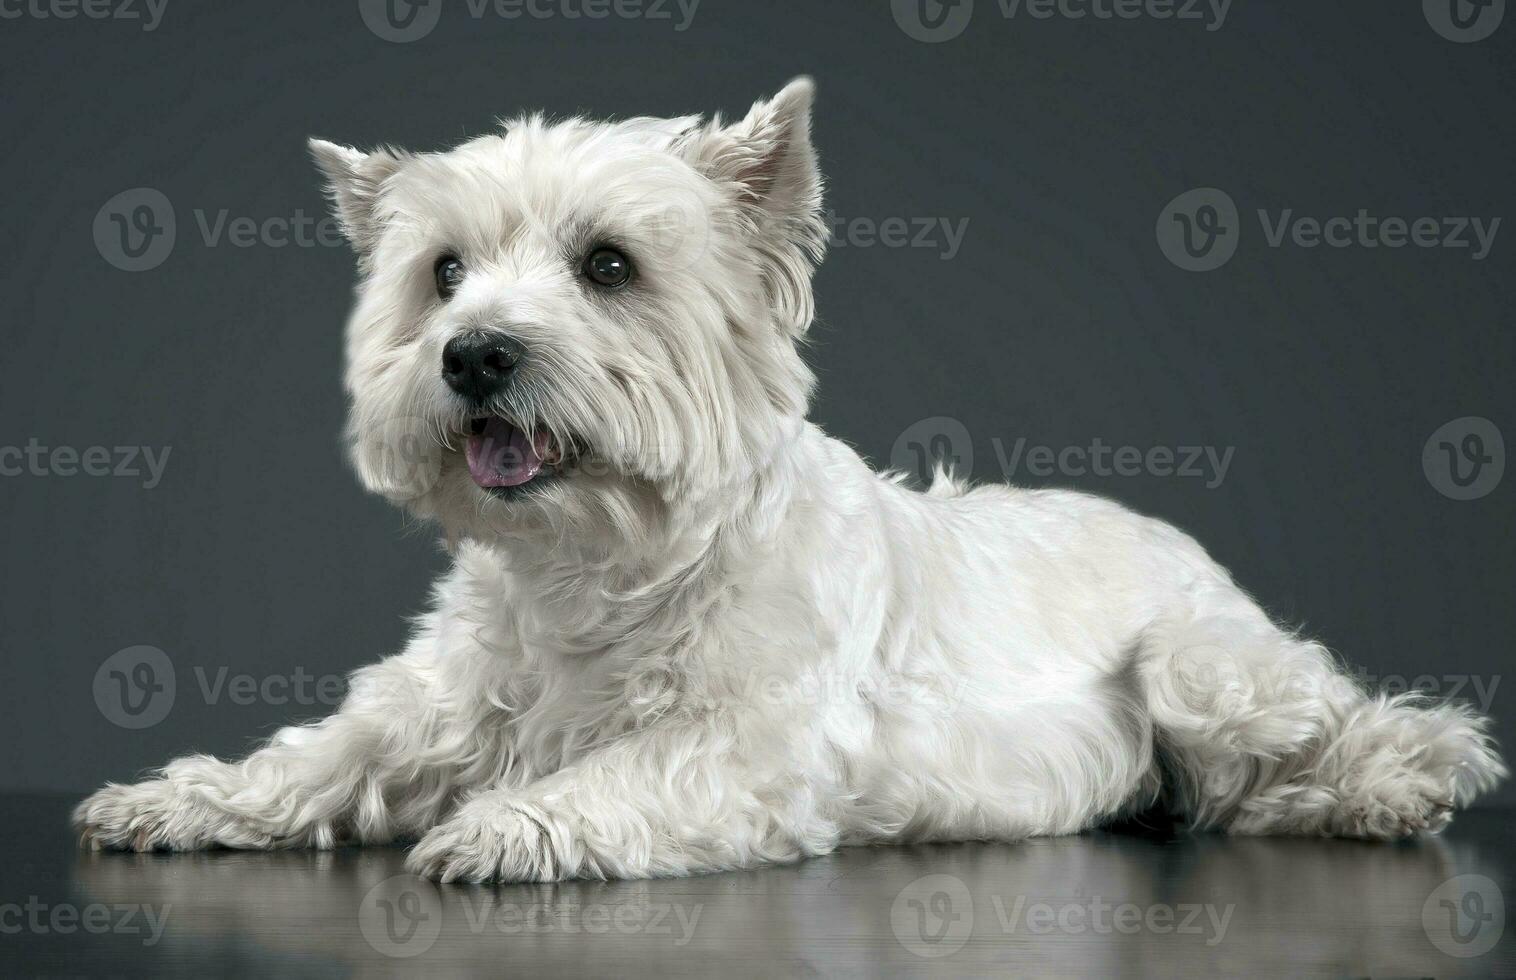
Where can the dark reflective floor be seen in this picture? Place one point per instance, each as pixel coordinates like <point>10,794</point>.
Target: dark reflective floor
<point>1100,905</point>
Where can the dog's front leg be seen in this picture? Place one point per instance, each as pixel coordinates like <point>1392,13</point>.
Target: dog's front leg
<point>362,774</point>
<point>676,799</point>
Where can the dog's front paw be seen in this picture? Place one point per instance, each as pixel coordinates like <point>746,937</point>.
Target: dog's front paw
<point>157,815</point>
<point>493,838</point>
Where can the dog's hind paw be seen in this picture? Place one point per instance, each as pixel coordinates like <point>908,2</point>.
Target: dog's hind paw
<point>1394,807</point>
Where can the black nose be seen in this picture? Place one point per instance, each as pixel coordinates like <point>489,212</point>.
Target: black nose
<point>479,366</point>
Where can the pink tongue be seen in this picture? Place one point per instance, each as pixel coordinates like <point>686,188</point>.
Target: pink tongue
<point>502,456</point>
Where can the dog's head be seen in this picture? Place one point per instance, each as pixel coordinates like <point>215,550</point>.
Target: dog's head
<point>577,322</point>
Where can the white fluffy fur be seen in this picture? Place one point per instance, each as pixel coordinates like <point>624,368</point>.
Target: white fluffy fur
<point>729,642</point>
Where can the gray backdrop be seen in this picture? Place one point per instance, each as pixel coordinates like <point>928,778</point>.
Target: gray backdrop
<point>1058,308</point>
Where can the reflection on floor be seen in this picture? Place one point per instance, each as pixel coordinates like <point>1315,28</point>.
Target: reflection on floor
<point>1098,905</point>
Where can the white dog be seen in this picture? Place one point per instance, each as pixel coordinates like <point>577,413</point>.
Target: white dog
<point>685,630</point>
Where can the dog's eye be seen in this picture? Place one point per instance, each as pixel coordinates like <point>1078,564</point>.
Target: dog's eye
<point>449,273</point>
<point>608,267</point>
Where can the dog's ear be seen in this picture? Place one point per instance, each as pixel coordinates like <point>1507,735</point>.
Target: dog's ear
<point>353,182</point>
<point>769,163</point>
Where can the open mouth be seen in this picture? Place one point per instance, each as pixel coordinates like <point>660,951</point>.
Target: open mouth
<point>503,458</point>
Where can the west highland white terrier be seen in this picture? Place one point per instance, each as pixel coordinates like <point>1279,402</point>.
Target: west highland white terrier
<point>687,631</point>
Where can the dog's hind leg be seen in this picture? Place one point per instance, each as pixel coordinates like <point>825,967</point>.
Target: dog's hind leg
<point>1263,733</point>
